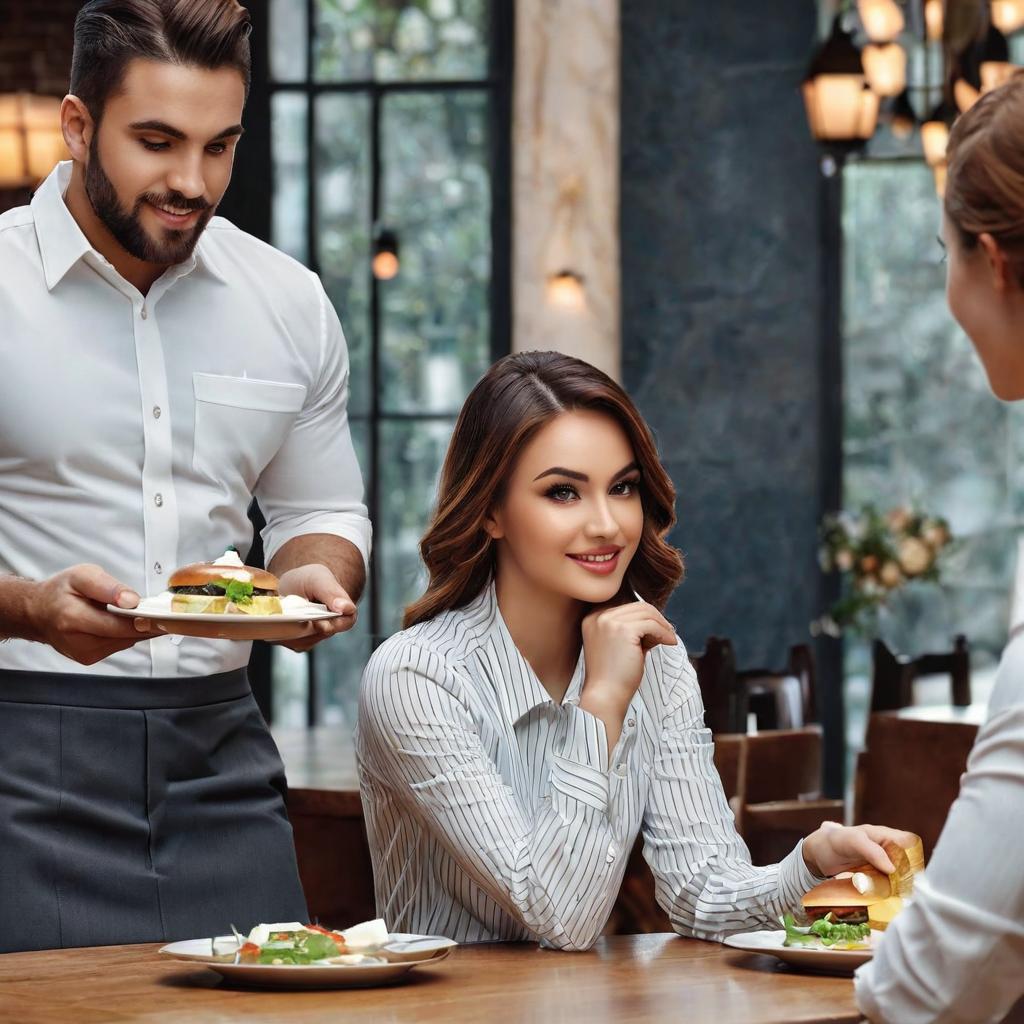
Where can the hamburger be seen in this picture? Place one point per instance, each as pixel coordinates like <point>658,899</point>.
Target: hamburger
<point>868,896</point>
<point>224,587</point>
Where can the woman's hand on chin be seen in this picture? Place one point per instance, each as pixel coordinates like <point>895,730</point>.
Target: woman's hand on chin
<point>834,848</point>
<point>615,641</point>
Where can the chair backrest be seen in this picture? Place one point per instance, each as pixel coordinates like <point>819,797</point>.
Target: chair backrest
<point>728,754</point>
<point>893,675</point>
<point>781,699</point>
<point>783,764</point>
<point>716,674</point>
<point>909,774</point>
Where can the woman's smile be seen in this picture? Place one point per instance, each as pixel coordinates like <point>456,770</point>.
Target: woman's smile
<point>602,561</point>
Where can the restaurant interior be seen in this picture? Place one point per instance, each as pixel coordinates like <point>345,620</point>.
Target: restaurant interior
<point>694,198</point>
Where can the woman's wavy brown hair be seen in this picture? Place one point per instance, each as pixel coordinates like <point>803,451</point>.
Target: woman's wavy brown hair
<point>985,178</point>
<point>511,402</point>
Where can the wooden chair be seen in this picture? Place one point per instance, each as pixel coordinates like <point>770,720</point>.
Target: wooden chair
<point>909,773</point>
<point>716,674</point>
<point>893,675</point>
<point>782,699</point>
<point>778,799</point>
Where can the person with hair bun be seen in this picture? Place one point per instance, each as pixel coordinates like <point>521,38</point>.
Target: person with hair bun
<point>539,710</point>
<point>956,953</point>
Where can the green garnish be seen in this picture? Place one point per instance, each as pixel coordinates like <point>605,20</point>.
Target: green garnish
<point>826,931</point>
<point>303,947</point>
<point>236,591</point>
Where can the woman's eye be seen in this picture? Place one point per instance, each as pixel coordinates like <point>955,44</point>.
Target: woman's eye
<point>561,492</point>
<point>154,147</point>
<point>625,488</point>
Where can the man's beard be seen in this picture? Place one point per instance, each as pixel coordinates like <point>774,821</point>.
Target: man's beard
<point>126,226</point>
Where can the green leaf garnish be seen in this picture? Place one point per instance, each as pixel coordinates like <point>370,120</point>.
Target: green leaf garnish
<point>236,591</point>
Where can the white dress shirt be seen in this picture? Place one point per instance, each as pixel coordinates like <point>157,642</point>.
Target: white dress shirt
<point>495,814</point>
<point>956,953</point>
<point>134,429</point>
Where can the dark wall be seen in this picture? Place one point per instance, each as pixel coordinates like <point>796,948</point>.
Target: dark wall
<point>721,309</point>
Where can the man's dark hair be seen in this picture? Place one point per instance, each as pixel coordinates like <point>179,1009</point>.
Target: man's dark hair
<point>110,33</point>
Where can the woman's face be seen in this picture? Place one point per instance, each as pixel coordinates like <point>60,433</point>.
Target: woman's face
<point>989,305</point>
<point>571,518</point>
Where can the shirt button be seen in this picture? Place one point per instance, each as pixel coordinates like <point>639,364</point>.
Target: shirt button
<point>157,567</point>
<point>158,500</point>
<point>620,770</point>
<point>144,313</point>
<point>612,851</point>
<point>156,412</point>
<point>631,722</point>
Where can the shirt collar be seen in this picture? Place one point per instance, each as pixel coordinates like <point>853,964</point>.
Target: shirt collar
<point>62,242</point>
<point>521,691</point>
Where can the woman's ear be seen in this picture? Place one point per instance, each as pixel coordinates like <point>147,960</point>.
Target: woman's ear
<point>999,265</point>
<point>77,127</point>
<point>493,527</point>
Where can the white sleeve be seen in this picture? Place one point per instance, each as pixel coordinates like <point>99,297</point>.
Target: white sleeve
<point>313,483</point>
<point>704,879</point>
<point>956,953</point>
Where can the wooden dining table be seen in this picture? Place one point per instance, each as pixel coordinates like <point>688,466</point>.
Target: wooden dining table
<point>625,978</point>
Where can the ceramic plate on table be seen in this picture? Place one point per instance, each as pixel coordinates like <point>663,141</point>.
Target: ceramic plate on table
<point>807,958</point>
<point>289,625</point>
<point>402,953</point>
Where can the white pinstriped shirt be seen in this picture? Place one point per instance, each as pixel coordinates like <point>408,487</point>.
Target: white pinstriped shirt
<point>495,814</point>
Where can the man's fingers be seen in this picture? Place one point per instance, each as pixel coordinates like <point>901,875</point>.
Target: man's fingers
<point>94,583</point>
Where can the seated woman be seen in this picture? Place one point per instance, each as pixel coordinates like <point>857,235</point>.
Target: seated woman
<point>957,952</point>
<point>539,710</point>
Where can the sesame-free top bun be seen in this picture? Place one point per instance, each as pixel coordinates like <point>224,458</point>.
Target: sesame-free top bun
<point>837,892</point>
<point>201,573</point>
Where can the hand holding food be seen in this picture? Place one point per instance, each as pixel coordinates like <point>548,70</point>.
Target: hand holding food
<point>834,848</point>
<point>68,612</point>
<point>315,582</point>
<point>845,909</point>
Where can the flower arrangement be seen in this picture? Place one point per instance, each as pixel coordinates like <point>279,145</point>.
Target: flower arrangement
<point>877,554</point>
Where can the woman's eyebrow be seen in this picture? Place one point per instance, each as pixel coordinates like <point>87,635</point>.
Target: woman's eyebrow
<point>559,471</point>
<point>573,475</point>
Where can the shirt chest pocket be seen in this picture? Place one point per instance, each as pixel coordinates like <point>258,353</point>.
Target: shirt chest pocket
<point>240,424</point>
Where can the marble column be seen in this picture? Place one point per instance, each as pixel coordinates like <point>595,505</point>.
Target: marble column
<point>566,180</point>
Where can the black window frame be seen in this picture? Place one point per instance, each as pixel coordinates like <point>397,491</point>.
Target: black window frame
<point>498,85</point>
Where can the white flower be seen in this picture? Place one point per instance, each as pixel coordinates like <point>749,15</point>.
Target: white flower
<point>936,535</point>
<point>844,560</point>
<point>915,556</point>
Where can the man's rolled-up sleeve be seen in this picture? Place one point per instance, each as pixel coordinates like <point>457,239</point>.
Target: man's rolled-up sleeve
<point>313,483</point>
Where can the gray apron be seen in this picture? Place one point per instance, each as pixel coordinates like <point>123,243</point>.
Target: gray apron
<point>138,810</point>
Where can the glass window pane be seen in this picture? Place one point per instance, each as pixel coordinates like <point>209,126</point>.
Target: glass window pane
<point>339,663</point>
<point>343,217</point>
<point>411,454</point>
<point>289,680</point>
<point>435,324</point>
<point>290,220</point>
<point>288,40</point>
<point>344,41</point>
<point>401,40</point>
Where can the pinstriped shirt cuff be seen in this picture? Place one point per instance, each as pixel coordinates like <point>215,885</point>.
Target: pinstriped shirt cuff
<point>580,772</point>
<point>796,878</point>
